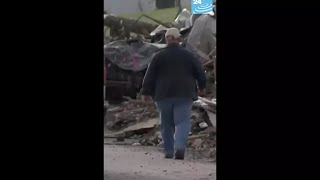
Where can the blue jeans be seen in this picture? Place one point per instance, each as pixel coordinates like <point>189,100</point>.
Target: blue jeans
<point>175,123</point>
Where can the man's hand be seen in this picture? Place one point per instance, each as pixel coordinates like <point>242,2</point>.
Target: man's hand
<point>202,92</point>
<point>147,99</point>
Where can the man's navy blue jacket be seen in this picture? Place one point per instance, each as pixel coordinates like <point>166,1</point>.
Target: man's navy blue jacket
<point>173,72</point>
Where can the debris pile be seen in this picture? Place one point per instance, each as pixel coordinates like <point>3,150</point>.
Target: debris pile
<point>204,142</point>
<point>128,50</point>
<point>130,115</point>
<point>131,44</point>
<point>135,120</point>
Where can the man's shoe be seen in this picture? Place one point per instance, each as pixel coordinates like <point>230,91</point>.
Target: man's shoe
<point>179,155</point>
<point>168,156</point>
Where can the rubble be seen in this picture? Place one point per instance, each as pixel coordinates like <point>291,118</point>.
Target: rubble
<point>133,119</point>
<point>206,143</point>
<point>203,125</point>
<point>212,118</point>
<point>131,55</point>
<point>136,144</point>
<point>127,57</point>
<point>121,27</point>
<point>206,104</point>
<point>138,128</point>
<point>182,21</point>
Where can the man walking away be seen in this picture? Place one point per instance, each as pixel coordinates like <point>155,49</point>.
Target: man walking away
<point>171,80</point>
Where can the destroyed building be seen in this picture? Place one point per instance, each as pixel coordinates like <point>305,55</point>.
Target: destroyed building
<point>126,60</point>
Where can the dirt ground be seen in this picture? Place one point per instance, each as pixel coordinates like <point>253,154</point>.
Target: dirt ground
<point>123,162</point>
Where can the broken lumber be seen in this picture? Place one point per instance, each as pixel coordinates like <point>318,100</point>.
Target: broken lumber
<point>207,101</point>
<point>130,100</point>
<point>205,104</point>
<point>167,25</point>
<point>212,118</point>
<point>149,124</point>
<point>208,63</point>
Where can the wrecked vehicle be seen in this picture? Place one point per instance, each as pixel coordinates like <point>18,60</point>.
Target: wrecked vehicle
<point>126,63</point>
